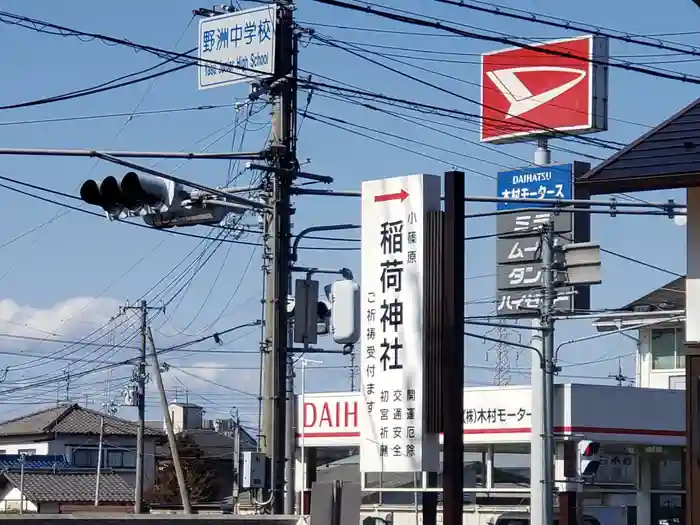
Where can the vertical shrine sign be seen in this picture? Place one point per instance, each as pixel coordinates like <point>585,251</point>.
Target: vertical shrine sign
<point>394,213</point>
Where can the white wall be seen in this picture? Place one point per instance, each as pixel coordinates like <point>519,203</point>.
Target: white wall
<point>42,448</point>
<point>650,378</point>
<point>10,501</point>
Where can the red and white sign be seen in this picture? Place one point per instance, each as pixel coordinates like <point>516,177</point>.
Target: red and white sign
<point>329,415</point>
<point>560,86</point>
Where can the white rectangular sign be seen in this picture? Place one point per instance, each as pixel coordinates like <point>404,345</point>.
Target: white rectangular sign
<point>237,47</point>
<point>394,213</point>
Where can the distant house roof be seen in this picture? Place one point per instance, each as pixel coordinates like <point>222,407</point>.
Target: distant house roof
<point>664,300</point>
<point>70,419</point>
<point>214,444</point>
<point>666,157</point>
<point>70,487</point>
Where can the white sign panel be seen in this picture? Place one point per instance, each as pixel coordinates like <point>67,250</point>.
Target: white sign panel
<point>237,47</point>
<point>394,213</point>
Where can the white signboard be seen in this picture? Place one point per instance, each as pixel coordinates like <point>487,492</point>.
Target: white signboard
<point>394,213</point>
<point>237,47</point>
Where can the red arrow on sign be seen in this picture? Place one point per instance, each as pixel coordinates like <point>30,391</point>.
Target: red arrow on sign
<point>402,195</point>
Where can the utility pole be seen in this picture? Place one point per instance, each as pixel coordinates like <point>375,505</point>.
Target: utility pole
<point>172,443</point>
<point>140,376</point>
<point>547,323</point>
<point>141,392</point>
<point>99,462</point>
<point>537,440</point>
<point>236,463</point>
<point>277,237</point>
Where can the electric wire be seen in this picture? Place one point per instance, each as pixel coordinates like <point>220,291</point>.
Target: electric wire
<point>422,22</point>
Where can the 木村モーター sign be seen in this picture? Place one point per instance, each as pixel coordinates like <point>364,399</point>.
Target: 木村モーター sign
<point>520,273</point>
<point>391,416</point>
<point>237,47</point>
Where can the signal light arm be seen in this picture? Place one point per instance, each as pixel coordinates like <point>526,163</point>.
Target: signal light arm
<point>130,154</point>
<point>312,229</point>
<point>304,175</point>
<point>184,182</point>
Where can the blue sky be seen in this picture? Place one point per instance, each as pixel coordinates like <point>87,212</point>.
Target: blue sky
<point>70,275</point>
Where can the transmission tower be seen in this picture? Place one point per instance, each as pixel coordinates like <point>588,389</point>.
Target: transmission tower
<point>501,369</point>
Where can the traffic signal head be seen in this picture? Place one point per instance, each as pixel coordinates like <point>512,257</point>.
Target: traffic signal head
<point>589,458</point>
<point>134,194</point>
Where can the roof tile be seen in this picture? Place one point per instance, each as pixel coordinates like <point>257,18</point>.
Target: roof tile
<point>72,487</point>
<point>70,419</point>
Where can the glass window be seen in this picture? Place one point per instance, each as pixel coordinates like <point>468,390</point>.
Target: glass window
<point>667,348</point>
<point>114,459</point>
<point>83,457</point>
<point>663,348</point>
<point>129,459</point>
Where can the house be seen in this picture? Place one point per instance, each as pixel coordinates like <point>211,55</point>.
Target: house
<point>63,492</point>
<point>215,441</point>
<point>659,320</point>
<point>73,431</point>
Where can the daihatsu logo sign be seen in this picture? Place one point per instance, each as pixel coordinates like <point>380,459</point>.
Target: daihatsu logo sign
<point>529,92</point>
<point>519,96</point>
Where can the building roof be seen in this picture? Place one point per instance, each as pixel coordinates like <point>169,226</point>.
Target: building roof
<point>664,300</point>
<point>670,296</point>
<point>70,419</point>
<point>214,444</point>
<point>34,462</point>
<point>71,487</point>
<point>666,157</point>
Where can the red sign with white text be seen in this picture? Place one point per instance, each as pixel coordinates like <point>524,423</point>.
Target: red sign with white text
<point>329,417</point>
<point>532,92</point>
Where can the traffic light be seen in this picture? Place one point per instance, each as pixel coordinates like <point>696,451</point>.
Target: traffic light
<point>588,459</point>
<point>135,194</point>
<point>311,314</point>
<point>344,296</point>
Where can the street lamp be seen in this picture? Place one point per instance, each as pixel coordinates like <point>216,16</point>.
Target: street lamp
<point>304,363</point>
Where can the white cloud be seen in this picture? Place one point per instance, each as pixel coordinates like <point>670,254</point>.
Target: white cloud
<point>66,318</point>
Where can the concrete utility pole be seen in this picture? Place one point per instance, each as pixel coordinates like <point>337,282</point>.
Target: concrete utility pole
<point>277,237</point>
<point>547,323</point>
<point>179,473</point>
<point>140,376</point>
<point>141,384</point>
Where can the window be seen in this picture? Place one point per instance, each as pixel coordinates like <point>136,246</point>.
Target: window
<point>85,457</point>
<point>26,451</point>
<point>121,459</point>
<point>667,348</point>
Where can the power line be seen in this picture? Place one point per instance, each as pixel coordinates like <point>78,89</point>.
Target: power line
<point>94,90</point>
<point>569,25</point>
<point>506,41</point>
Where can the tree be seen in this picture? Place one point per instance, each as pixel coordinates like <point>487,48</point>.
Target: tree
<point>200,476</point>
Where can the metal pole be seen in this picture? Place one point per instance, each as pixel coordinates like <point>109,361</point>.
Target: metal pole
<point>172,443</point>
<point>277,236</point>
<point>21,484</point>
<point>537,381</point>
<point>290,437</point>
<point>236,463</point>
<point>141,401</point>
<point>302,452</point>
<point>99,462</point>
<point>548,357</point>
<point>537,441</point>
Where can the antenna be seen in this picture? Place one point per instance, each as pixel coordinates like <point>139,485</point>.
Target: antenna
<point>619,377</point>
